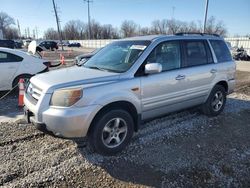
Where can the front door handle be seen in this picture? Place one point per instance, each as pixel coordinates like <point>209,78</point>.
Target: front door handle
<point>11,67</point>
<point>180,77</point>
<point>213,71</point>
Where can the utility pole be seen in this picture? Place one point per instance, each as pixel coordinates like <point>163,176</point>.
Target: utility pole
<point>19,30</point>
<point>36,32</point>
<point>205,16</point>
<point>57,22</point>
<point>28,32</point>
<point>173,9</point>
<point>89,1</point>
<point>25,33</point>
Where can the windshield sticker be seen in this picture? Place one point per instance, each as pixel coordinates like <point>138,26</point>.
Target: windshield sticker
<point>138,47</point>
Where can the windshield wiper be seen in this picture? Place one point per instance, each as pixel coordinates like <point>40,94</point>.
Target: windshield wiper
<point>94,67</point>
<point>102,69</point>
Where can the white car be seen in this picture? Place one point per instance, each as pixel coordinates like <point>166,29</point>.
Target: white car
<point>16,64</point>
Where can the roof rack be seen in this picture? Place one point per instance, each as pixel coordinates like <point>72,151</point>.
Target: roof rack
<point>197,33</point>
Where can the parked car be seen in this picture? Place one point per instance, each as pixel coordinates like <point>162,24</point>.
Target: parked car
<point>16,64</point>
<point>7,44</point>
<point>83,58</point>
<point>130,81</point>
<point>63,43</point>
<point>75,44</point>
<point>26,43</point>
<point>240,54</point>
<point>48,45</point>
<point>18,44</point>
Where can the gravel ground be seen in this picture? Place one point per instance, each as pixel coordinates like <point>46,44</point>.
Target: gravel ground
<point>184,149</point>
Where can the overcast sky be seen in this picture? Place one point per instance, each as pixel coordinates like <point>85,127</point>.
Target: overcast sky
<point>39,13</point>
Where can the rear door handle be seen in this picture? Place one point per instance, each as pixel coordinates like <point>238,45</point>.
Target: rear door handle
<point>213,71</point>
<point>180,77</point>
<point>11,67</point>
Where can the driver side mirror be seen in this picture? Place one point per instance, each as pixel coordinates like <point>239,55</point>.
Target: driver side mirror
<point>152,68</point>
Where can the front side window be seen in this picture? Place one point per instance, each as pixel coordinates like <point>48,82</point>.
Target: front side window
<point>197,53</point>
<point>118,56</point>
<point>6,57</point>
<point>167,54</point>
<point>221,50</point>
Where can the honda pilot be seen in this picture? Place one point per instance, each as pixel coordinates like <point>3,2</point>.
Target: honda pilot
<point>130,81</point>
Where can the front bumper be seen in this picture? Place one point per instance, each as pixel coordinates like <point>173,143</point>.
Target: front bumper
<point>231,86</point>
<point>64,122</point>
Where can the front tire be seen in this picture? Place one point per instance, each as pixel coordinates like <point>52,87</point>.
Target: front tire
<point>215,102</point>
<point>111,132</point>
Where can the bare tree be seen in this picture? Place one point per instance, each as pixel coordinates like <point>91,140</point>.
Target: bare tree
<point>108,32</point>
<point>128,28</point>
<point>70,30</point>
<point>159,26</point>
<point>96,29</point>
<point>75,29</point>
<point>173,26</point>
<point>51,34</point>
<point>215,27</point>
<point>11,33</point>
<point>144,31</point>
<point>5,22</point>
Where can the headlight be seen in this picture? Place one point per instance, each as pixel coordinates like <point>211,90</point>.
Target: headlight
<point>66,97</point>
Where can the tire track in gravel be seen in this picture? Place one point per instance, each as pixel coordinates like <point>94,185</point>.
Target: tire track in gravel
<point>184,122</point>
<point>17,132</point>
<point>49,161</point>
<point>166,122</point>
<point>22,139</point>
<point>46,151</point>
<point>73,172</point>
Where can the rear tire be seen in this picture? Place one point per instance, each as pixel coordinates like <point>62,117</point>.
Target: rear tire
<point>111,132</point>
<point>215,102</point>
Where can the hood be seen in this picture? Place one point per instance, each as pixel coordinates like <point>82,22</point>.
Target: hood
<point>73,76</point>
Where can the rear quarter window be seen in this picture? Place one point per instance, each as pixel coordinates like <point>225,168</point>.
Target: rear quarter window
<point>6,57</point>
<point>221,50</point>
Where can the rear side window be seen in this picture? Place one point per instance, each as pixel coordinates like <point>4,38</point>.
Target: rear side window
<point>221,50</point>
<point>197,53</point>
<point>6,57</point>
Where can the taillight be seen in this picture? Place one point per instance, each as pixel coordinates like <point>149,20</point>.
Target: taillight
<point>47,64</point>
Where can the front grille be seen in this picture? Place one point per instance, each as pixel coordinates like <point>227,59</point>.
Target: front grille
<point>33,92</point>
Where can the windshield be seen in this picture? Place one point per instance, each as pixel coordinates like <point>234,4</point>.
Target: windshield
<point>118,56</point>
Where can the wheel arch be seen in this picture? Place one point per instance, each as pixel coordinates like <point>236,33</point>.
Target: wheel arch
<point>224,84</point>
<point>16,79</point>
<point>125,105</point>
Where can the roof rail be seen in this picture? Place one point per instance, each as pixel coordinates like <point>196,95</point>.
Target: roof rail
<point>197,33</point>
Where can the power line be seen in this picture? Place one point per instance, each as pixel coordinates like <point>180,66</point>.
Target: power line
<point>89,1</point>
<point>57,22</point>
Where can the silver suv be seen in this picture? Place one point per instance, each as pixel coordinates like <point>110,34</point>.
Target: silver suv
<point>129,81</point>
